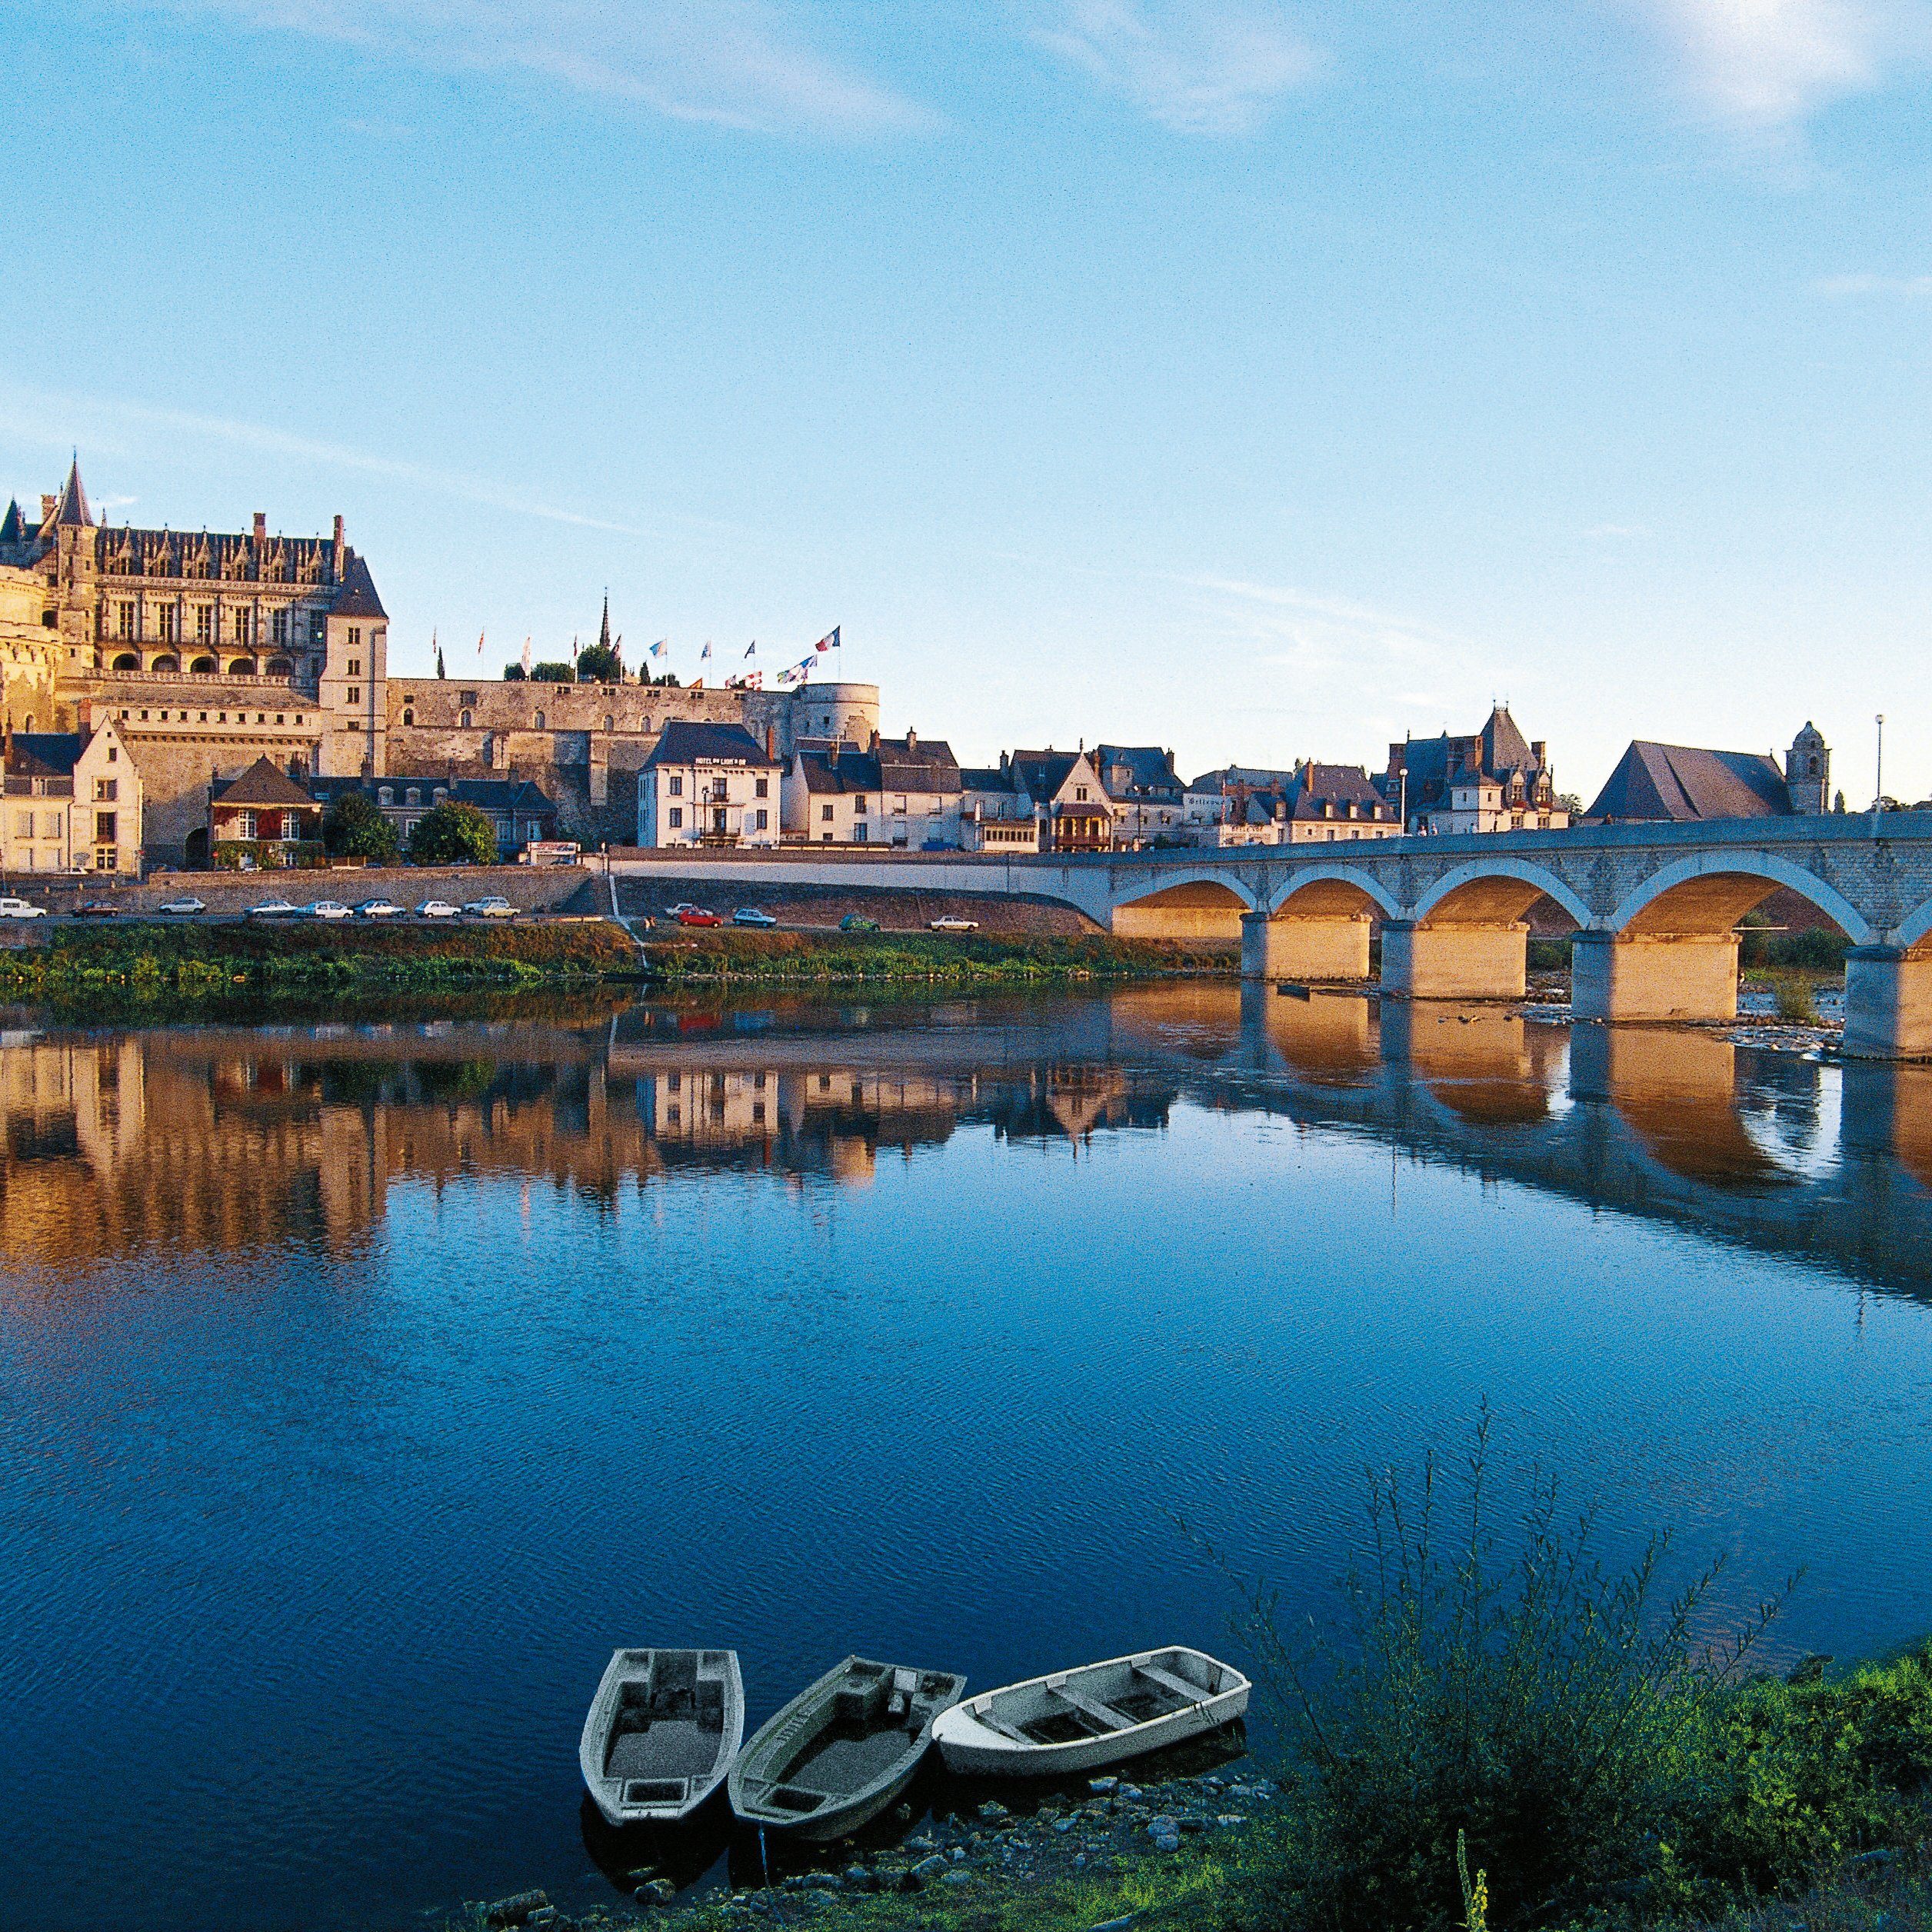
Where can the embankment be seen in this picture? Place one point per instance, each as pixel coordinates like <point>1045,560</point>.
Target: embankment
<point>701,955</point>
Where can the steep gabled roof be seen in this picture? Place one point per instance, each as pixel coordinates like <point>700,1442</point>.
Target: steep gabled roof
<point>687,742</point>
<point>1504,747</point>
<point>1314,786</point>
<point>1043,773</point>
<point>1149,771</point>
<point>14,530</point>
<point>918,764</point>
<point>855,771</point>
<point>71,512</point>
<point>1680,782</point>
<point>264,783</point>
<point>357,597</point>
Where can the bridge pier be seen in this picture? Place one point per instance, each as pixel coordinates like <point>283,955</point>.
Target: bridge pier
<point>1888,1004</point>
<point>1654,976</point>
<point>1453,961</point>
<point>1305,948</point>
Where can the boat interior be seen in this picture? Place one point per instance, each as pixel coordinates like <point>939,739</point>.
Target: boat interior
<point>668,1726</point>
<point>1072,1706</point>
<point>877,1712</point>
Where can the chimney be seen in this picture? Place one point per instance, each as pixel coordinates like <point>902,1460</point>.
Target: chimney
<point>912,741</point>
<point>339,533</point>
<point>48,504</point>
<point>874,745</point>
<point>261,526</point>
<point>771,743</point>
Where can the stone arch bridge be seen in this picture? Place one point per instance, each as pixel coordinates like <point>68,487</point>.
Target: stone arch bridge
<point>1656,906</point>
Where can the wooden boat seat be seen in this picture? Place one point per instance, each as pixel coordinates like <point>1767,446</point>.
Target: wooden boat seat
<point>993,1722</point>
<point>1180,1687</point>
<point>1103,1714</point>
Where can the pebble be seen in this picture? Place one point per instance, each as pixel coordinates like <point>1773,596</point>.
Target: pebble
<point>1106,1786</point>
<point>1063,1826</point>
<point>929,1868</point>
<point>656,1891</point>
<point>957,1854</point>
<point>1166,1834</point>
<point>959,1877</point>
<point>992,1809</point>
<point>1080,1861</point>
<point>858,1878</point>
<point>922,1843</point>
<point>515,1910</point>
<point>1129,1792</point>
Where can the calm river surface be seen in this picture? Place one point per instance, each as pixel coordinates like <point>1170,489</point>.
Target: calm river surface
<point>361,1386</point>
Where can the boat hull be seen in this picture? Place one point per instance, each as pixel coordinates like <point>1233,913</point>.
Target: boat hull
<point>973,1746</point>
<point>650,1754</point>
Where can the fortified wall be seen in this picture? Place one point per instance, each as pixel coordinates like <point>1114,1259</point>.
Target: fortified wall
<point>30,656</point>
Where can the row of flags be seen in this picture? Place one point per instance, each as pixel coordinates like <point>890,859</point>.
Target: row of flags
<point>739,681</point>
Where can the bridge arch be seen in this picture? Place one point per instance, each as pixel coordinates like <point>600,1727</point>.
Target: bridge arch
<point>1915,928</point>
<point>1495,891</point>
<point>1204,905</point>
<point>1708,892</point>
<point>1332,892</point>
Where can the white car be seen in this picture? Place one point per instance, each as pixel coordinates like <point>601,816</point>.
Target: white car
<point>682,906</point>
<point>380,909</point>
<point>274,909</point>
<point>183,908</point>
<point>327,909</point>
<point>752,916</point>
<point>949,923</point>
<point>437,909</point>
<point>13,908</point>
<point>494,907</point>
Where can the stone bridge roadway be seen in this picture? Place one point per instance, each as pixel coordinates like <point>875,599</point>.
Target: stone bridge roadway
<point>1656,906</point>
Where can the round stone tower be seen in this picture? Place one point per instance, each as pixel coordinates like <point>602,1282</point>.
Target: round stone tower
<point>835,713</point>
<point>1807,772</point>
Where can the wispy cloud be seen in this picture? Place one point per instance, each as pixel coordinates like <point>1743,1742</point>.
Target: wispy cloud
<point>1215,66</point>
<point>1615,532</point>
<point>739,63</point>
<point>1769,64</point>
<point>1844,285</point>
<point>57,422</point>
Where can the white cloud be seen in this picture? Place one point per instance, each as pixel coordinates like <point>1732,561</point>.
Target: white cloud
<point>1771,64</point>
<point>1197,66</point>
<point>1837,285</point>
<point>739,63</point>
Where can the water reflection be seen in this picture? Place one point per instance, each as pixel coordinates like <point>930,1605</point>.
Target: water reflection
<point>227,1138</point>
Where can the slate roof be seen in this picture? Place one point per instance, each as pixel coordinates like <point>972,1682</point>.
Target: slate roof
<point>919,764</point>
<point>43,754</point>
<point>1043,773</point>
<point>1150,770</point>
<point>1252,777</point>
<point>264,783</point>
<point>1679,782</point>
<point>71,512</point>
<point>991,778</point>
<point>1314,786</point>
<point>13,530</point>
<point>356,597</point>
<point>855,771</point>
<point>687,741</point>
<point>487,794</point>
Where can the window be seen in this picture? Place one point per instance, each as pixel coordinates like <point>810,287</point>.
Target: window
<point>541,725</point>
<point>355,667</point>
<point>463,719</point>
<point>826,813</point>
<point>898,805</point>
<point>764,820</point>
<point>858,805</point>
<point>440,793</point>
<point>409,718</point>
<point>675,786</point>
<point>165,623</point>
<point>125,615</point>
<point>763,788</point>
<point>204,717</point>
<point>610,723</point>
<point>104,822</point>
<point>859,835</point>
<point>355,698</point>
<point>467,698</point>
<point>245,824</point>
<point>677,819</point>
<point>113,750</point>
<point>107,792</point>
<point>413,796</point>
<point>204,623</point>
<point>278,626</point>
<point>385,794</point>
<point>23,824</point>
<point>54,822</point>
<point>673,1114</point>
<point>356,637</point>
<point>758,1113</point>
<point>241,628</point>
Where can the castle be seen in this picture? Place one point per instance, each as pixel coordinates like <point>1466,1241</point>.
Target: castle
<point>209,651</point>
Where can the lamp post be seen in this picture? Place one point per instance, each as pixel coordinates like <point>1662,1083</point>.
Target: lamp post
<point>1878,803</point>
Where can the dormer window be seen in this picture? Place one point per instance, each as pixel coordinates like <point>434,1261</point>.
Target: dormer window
<point>413,796</point>
<point>386,795</point>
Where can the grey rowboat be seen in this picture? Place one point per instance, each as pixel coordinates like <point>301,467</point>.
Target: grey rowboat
<point>662,1731</point>
<point>842,1749</point>
<point>1080,1719</point>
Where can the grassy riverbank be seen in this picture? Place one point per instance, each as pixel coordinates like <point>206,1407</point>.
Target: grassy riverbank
<point>704,955</point>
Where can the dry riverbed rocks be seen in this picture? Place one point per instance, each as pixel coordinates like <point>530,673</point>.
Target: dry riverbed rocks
<point>1113,1821</point>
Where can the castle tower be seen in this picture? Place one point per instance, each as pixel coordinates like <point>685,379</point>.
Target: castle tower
<point>1807,772</point>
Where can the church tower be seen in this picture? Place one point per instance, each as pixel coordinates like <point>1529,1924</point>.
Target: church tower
<point>1807,772</point>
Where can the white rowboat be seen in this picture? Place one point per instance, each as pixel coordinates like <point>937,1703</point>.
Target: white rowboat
<point>1099,1714</point>
<point>662,1732</point>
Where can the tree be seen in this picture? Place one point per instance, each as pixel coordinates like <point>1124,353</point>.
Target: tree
<point>453,834</point>
<point>669,681</point>
<point>598,663</point>
<point>1569,801</point>
<point>513,674</point>
<point>553,673</point>
<point>439,660</point>
<point>354,828</point>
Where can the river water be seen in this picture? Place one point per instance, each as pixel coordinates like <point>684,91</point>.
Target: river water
<point>362,1385</point>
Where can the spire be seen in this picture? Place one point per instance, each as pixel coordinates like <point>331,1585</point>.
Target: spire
<point>603,636</point>
<point>71,512</point>
<point>13,531</point>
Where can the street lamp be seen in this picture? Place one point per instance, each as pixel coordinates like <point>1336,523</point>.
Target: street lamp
<point>1878,803</point>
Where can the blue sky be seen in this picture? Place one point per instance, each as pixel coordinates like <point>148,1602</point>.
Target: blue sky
<point>1258,379</point>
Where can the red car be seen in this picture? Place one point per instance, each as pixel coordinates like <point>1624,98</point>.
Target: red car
<point>698,916</point>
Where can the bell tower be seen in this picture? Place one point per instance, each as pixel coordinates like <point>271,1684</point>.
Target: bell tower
<point>1808,773</point>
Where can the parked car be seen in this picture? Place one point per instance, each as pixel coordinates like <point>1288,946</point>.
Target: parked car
<point>274,909</point>
<point>13,908</point>
<point>326,909</point>
<point>183,908</point>
<point>698,916</point>
<point>752,916</point>
<point>857,922</point>
<point>437,909</point>
<point>950,922</point>
<point>380,909</point>
<point>97,909</point>
<point>681,908</point>
<point>494,907</point>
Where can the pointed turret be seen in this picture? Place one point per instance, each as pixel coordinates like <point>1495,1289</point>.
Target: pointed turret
<point>14,531</point>
<point>71,512</point>
<point>603,635</point>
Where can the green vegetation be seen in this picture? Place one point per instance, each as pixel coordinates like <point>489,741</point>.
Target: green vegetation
<point>726,954</point>
<point>552,672</point>
<point>137,964</point>
<point>453,834</point>
<point>355,829</point>
<point>598,663</point>
<point>1814,950</point>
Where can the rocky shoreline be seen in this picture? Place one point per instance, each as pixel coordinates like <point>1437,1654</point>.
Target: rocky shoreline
<point>1113,1828</point>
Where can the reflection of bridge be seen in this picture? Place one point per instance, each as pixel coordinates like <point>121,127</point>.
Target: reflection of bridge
<point>1657,907</point>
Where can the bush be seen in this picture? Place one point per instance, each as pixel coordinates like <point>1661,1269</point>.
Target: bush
<point>1795,1000</point>
<point>553,673</point>
<point>453,834</point>
<point>355,829</point>
<point>513,674</point>
<point>596,664</point>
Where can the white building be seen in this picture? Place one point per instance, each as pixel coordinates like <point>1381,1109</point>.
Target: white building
<point>920,792</point>
<point>708,785</point>
<point>73,803</point>
<point>833,798</point>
